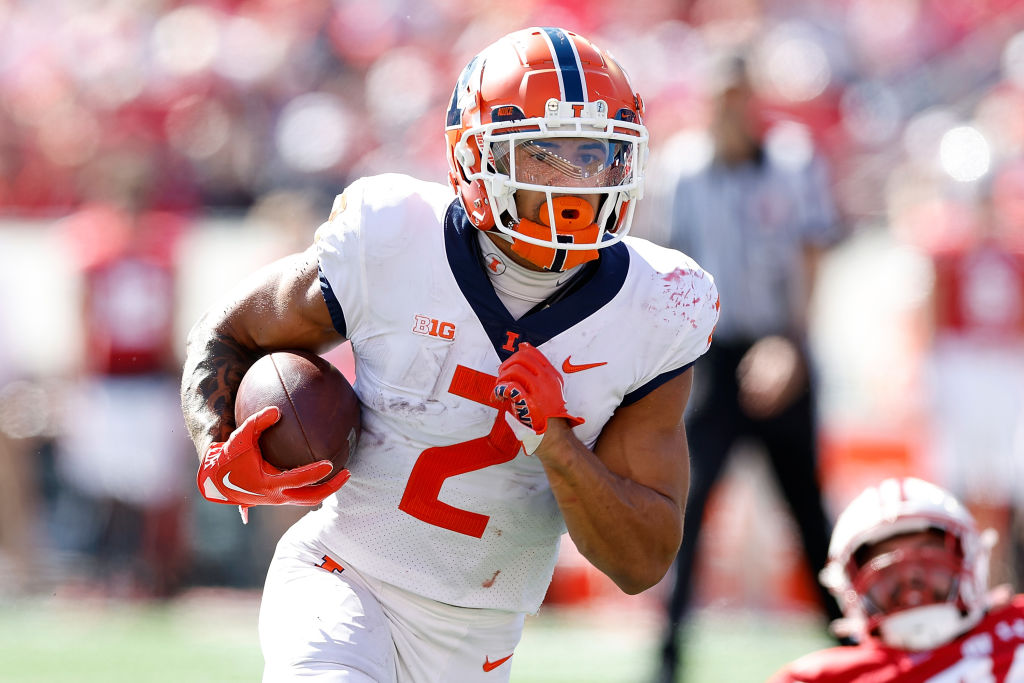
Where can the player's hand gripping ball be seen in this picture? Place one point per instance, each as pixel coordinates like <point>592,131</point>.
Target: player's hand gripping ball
<point>532,391</point>
<point>298,423</point>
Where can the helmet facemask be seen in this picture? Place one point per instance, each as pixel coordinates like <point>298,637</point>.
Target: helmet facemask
<point>911,595</point>
<point>573,152</point>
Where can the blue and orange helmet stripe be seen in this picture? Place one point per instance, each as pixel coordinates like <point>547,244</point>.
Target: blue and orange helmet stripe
<point>567,63</point>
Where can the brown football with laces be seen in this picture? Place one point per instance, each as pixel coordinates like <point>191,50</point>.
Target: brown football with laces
<point>319,409</point>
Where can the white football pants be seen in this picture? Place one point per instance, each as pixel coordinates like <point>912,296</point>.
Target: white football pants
<point>320,620</point>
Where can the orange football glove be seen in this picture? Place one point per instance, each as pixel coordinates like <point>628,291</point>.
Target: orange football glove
<point>532,390</point>
<point>234,473</point>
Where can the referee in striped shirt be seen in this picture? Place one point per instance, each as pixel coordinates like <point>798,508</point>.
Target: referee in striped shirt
<point>757,215</point>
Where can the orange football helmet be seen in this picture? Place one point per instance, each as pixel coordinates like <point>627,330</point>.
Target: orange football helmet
<point>544,109</point>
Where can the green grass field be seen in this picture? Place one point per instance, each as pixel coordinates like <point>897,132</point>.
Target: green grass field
<point>211,637</point>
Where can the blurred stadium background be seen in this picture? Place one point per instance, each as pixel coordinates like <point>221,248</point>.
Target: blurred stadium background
<point>244,117</point>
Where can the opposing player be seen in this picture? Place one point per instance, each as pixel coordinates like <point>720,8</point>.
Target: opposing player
<point>910,569</point>
<point>523,371</point>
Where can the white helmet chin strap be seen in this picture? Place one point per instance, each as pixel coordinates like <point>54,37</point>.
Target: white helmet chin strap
<point>925,628</point>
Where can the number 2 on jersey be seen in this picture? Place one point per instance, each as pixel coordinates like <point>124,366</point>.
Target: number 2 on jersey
<point>437,464</point>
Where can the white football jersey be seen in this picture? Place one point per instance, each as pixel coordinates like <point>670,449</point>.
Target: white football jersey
<point>442,501</point>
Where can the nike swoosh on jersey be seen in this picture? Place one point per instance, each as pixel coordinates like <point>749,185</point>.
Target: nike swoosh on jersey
<point>567,366</point>
<point>491,666</point>
<point>234,487</point>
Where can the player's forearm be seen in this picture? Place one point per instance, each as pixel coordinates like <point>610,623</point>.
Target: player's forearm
<point>627,530</point>
<point>214,365</point>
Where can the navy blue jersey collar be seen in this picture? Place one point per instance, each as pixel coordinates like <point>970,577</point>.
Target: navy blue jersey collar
<point>537,327</point>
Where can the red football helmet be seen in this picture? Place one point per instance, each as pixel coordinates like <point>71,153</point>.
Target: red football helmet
<point>543,109</point>
<point>866,585</point>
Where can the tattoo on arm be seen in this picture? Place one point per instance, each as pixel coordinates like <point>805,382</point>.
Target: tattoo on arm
<point>214,366</point>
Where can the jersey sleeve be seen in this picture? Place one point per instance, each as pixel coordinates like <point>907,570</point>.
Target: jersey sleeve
<point>703,319</point>
<point>339,246</point>
<point>685,301</point>
<point>371,223</point>
<point>690,303</point>
<point>786,675</point>
<point>864,662</point>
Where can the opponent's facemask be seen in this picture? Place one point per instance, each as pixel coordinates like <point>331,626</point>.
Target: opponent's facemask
<point>545,110</point>
<point>914,596</point>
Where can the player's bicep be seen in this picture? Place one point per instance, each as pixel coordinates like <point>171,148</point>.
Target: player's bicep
<point>646,440</point>
<point>282,306</point>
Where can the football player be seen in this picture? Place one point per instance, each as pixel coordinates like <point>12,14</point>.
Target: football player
<point>910,570</point>
<point>522,365</point>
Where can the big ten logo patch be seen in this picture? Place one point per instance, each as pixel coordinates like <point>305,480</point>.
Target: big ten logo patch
<point>432,327</point>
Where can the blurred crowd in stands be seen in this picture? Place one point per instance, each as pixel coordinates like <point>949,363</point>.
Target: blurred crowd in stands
<point>267,108</point>
<point>216,103</point>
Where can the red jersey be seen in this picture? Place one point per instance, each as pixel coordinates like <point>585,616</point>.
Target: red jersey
<point>128,279</point>
<point>991,652</point>
<point>980,294</point>
<point>129,315</point>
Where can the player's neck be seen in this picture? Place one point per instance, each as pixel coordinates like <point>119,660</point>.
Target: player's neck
<point>519,288</point>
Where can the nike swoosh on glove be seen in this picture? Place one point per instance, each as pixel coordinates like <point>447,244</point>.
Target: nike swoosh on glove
<point>234,472</point>
<point>532,391</point>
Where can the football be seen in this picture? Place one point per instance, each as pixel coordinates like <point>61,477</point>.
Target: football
<point>319,409</point>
